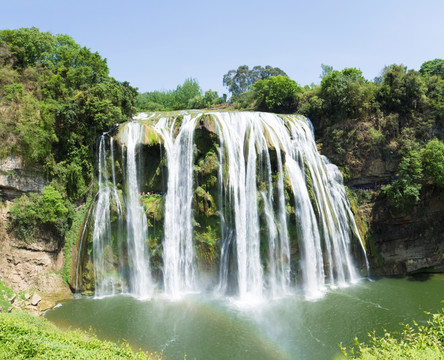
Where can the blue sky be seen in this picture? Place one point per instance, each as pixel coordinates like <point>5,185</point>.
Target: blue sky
<point>156,45</point>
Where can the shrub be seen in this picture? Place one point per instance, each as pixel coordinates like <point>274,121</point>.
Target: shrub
<point>433,159</point>
<point>415,342</point>
<point>29,212</point>
<point>277,94</point>
<point>405,190</point>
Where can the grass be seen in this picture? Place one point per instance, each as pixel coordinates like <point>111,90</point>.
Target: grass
<point>5,291</point>
<point>23,336</point>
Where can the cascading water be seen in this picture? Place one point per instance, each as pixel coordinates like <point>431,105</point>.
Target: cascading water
<point>179,268</point>
<point>137,229</point>
<point>284,216</point>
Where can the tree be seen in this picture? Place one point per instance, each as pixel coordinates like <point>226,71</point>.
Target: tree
<point>433,67</point>
<point>239,81</point>
<point>346,93</point>
<point>185,92</point>
<point>60,97</point>
<point>405,190</point>
<point>433,161</point>
<point>277,94</point>
<point>402,91</point>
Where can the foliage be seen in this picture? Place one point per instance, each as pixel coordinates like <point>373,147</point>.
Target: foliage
<point>239,81</point>
<point>415,342</point>
<point>405,190</point>
<point>433,67</point>
<point>57,96</point>
<point>277,94</point>
<point>433,161</point>
<point>71,238</point>
<point>5,293</point>
<point>345,93</point>
<point>24,336</point>
<point>186,96</point>
<point>28,213</point>
<point>402,91</point>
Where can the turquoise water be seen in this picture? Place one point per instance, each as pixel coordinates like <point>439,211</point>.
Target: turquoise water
<point>203,327</point>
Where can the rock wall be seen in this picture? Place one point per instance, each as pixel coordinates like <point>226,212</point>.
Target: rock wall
<point>31,270</point>
<point>403,243</point>
<point>15,179</point>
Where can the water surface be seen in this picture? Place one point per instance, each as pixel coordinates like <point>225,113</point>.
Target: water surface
<point>204,327</point>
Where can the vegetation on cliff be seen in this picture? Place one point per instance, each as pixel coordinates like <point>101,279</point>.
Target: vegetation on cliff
<point>55,98</point>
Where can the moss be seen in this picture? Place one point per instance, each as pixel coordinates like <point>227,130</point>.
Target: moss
<point>71,238</point>
<point>361,223</point>
<point>150,136</point>
<point>203,202</point>
<point>309,183</point>
<point>207,250</point>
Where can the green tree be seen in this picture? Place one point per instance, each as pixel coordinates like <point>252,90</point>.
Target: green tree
<point>185,92</point>
<point>433,67</point>
<point>277,94</point>
<point>401,91</point>
<point>346,93</point>
<point>239,81</point>
<point>59,98</point>
<point>433,161</point>
<point>405,190</point>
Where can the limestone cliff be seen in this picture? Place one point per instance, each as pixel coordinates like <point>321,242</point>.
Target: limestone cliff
<point>15,179</point>
<point>31,270</point>
<point>403,243</point>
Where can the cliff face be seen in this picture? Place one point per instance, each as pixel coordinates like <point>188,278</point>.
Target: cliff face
<point>402,243</point>
<point>16,180</point>
<point>31,269</point>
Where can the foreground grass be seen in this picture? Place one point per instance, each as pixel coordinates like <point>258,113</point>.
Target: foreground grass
<point>23,336</point>
<point>415,342</point>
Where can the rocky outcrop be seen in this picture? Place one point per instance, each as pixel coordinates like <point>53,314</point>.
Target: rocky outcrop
<point>31,268</point>
<point>403,243</point>
<point>16,180</point>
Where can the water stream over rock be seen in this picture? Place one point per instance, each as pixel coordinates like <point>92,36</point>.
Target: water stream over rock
<point>235,203</point>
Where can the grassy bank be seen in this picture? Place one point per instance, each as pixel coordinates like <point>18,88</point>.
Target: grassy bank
<point>23,336</point>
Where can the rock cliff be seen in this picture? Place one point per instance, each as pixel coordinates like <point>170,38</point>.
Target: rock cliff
<point>31,270</point>
<point>403,243</point>
<point>15,179</point>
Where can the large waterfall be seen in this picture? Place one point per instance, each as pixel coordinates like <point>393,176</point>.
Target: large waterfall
<point>237,203</point>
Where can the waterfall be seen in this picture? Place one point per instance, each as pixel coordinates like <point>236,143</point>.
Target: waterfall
<point>103,273</point>
<point>137,229</point>
<point>178,252</point>
<point>284,218</point>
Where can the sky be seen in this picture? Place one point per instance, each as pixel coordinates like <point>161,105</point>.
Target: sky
<point>156,45</point>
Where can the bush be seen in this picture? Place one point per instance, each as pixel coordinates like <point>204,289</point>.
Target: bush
<point>405,190</point>
<point>433,159</point>
<point>29,212</point>
<point>277,94</point>
<point>415,342</point>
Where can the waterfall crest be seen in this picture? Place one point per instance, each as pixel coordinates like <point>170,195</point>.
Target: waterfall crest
<point>238,202</point>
